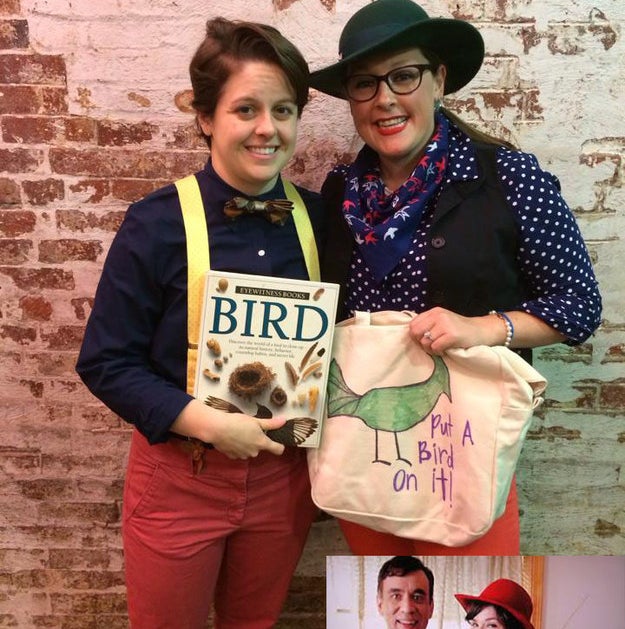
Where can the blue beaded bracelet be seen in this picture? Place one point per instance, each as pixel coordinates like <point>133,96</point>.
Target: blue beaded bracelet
<point>508,323</point>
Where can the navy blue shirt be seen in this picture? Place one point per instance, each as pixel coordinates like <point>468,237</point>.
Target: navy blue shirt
<point>134,352</point>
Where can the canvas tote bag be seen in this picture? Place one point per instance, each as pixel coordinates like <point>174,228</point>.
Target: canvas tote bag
<point>420,446</point>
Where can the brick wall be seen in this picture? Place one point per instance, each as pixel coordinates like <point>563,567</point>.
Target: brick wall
<point>94,114</point>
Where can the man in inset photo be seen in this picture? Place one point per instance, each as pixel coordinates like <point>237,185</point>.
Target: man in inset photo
<point>405,593</point>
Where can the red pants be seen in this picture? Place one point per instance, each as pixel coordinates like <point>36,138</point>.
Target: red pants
<point>502,539</point>
<point>230,537</point>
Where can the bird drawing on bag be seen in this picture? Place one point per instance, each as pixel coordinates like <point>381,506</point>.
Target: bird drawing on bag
<point>390,409</point>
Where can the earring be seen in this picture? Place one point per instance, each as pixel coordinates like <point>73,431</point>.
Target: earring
<point>438,103</point>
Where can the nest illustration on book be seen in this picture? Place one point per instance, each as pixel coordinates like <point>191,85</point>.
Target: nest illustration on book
<point>250,380</point>
<point>295,430</point>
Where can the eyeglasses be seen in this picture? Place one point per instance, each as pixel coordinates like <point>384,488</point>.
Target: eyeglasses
<point>404,80</point>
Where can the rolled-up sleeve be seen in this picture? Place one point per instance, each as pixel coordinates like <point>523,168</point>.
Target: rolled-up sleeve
<point>553,256</point>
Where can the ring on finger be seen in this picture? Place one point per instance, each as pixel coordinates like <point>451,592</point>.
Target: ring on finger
<point>427,335</point>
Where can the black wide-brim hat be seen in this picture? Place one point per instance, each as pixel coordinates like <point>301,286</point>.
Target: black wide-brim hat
<point>393,25</point>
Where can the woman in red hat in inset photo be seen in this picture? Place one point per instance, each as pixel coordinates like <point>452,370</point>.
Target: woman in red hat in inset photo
<point>503,604</point>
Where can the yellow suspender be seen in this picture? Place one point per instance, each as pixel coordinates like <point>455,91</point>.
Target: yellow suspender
<point>304,231</point>
<point>198,262</point>
<point>198,257</point>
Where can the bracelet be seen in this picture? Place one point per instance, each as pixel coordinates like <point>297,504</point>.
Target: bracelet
<point>508,323</point>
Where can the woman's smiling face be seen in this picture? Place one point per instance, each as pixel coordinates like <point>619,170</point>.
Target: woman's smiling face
<point>254,128</point>
<point>397,126</point>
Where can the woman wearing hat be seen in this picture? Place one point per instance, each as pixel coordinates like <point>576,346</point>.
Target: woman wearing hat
<point>438,218</point>
<point>503,604</point>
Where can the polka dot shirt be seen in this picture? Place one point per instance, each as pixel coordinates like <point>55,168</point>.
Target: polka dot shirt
<point>552,257</point>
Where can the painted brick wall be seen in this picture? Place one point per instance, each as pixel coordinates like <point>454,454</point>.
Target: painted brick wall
<point>94,114</point>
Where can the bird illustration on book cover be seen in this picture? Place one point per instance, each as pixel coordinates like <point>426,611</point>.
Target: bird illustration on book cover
<point>294,431</point>
<point>390,409</point>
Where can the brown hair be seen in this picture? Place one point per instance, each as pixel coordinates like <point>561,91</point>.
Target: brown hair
<point>504,616</point>
<point>473,132</point>
<point>403,565</point>
<point>228,43</point>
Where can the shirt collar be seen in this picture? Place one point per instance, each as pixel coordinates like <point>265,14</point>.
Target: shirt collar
<point>223,191</point>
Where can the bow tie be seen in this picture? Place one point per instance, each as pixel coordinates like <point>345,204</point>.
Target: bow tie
<point>274,210</point>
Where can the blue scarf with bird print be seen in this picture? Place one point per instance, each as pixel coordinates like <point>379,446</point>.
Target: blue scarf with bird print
<point>383,224</point>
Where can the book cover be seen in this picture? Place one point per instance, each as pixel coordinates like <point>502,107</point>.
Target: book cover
<point>264,349</point>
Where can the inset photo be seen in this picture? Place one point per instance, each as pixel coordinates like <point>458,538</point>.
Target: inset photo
<point>448,592</point>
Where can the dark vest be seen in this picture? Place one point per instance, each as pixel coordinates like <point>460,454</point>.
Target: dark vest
<point>473,243</point>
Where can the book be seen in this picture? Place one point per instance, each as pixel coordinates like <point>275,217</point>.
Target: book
<point>264,349</point>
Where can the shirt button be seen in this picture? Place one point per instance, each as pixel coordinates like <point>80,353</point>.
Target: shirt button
<point>438,242</point>
<point>261,252</point>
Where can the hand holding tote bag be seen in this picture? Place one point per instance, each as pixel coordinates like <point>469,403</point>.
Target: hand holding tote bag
<point>420,446</point>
